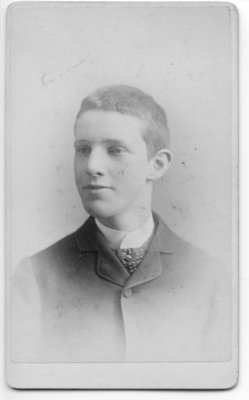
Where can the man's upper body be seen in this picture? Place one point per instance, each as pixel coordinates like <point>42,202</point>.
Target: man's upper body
<point>79,300</point>
<point>76,302</point>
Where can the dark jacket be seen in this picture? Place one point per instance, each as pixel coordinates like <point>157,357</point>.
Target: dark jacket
<point>75,302</point>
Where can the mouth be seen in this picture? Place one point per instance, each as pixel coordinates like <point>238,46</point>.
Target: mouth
<point>96,188</point>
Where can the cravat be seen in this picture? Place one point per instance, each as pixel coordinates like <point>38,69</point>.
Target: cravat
<point>132,257</point>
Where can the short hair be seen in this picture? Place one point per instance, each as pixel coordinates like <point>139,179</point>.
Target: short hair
<point>129,100</point>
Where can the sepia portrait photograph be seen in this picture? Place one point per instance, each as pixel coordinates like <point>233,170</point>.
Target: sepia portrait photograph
<point>121,196</point>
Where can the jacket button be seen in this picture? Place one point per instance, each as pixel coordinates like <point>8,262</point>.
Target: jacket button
<point>127,293</point>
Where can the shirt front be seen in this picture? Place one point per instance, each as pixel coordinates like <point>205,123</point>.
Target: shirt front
<point>124,240</point>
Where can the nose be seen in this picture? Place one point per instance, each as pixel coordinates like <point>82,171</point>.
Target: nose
<point>95,163</point>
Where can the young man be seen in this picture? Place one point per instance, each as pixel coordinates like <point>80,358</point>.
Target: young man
<point>123,287</point>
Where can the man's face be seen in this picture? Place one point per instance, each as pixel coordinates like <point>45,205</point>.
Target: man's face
<point>111,163</point>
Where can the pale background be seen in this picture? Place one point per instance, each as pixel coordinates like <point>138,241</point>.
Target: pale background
<point>241,391</point>
<point>57,55</point>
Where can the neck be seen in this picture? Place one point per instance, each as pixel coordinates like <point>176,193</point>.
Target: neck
<point>127,222</point>
<point>135,215</point>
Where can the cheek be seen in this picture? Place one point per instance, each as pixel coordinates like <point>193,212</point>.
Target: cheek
<point>120,170</point>
<point>129,175</point>
<point>125,171</point>
<point>76,172</point>
<point>79,167</point>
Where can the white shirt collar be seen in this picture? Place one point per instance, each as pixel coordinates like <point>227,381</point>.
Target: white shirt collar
<point>124,240</point>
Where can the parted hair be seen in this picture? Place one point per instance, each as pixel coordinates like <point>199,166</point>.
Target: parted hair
<point>129,100</point>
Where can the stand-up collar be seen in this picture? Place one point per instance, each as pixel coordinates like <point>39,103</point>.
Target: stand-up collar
<point>164,238</point>
<point>124,240</point>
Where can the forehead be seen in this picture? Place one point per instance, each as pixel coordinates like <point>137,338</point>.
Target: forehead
<point>108,125</point>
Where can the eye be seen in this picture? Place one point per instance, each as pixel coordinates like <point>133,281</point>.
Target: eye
<point>85,150</point>
<point>116,150</point>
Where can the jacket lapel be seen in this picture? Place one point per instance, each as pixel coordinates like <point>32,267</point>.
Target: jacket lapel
<point>110,268</point>
<point>151,267</point>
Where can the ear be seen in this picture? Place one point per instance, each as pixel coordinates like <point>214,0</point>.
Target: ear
<point>159,164</point>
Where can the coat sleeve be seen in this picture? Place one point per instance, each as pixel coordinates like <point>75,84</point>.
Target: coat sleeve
<point>25,312</point>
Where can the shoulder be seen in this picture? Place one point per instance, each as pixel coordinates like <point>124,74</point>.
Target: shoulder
<point>35,268</point>
<point>187,258</point>
<point>170,242</point>
<point>59,259</point>
<point>68,246</point>
<point>60,249</point>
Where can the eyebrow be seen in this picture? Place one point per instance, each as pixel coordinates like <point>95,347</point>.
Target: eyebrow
<point>107,141</point>
<point>81,141</point>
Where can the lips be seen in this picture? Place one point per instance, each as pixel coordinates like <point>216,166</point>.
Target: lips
<point>96,189</point>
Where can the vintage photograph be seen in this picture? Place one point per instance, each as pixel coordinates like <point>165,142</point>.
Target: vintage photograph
<point>121,195</point>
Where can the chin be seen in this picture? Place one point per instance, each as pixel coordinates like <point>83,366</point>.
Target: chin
<point>98,211</point>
